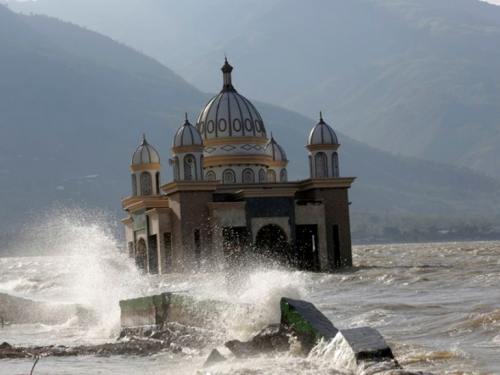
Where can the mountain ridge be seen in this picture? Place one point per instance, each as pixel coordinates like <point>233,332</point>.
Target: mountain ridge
<point>70,124</point>
<point>423,73</point>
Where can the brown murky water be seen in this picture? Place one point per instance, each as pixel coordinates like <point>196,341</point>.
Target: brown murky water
<point>438,306</point>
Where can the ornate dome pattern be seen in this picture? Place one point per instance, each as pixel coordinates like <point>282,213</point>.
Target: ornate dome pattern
<point>229,114</point>
<point>275,150</point>
<point>145,154</point>
<point>322,134</point>
<point>187,135</point>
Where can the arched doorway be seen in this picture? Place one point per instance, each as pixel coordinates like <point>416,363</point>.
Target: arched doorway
<point>141,255</point>
<point>272,245</point>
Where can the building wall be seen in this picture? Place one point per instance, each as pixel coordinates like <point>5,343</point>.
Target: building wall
<point>164,226</point>
<point>269,207</point>
<point>315,214</point>
<point>176,230</point>
<point>224,214</point>
<point>190,208</point>
<point>336,202</point>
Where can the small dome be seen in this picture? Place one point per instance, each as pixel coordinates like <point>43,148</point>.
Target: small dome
<point>322,134</point>
<point>145,154</point>
<point>187,135</point>
<point>229,114</point>
<point>275,150</point>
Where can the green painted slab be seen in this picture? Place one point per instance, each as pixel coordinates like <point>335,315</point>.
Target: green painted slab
<point>304,318</point>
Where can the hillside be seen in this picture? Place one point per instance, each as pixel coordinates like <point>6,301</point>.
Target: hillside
<point>72,117</point>
<point>423,73</point>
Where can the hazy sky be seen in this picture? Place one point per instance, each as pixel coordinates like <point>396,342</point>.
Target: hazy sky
<point>496,2</point>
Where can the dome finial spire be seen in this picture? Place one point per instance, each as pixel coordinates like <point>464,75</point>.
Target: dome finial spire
<point>186,117</point>
<point>144,138</point>
<point>320,116</point>
<point>226,75</point>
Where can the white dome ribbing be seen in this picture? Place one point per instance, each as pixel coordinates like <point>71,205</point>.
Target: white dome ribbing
<point>187,135</point>
<point>145,154</point>
<point>322,134</point>
<point>229,114</point>
<point>275,150</point>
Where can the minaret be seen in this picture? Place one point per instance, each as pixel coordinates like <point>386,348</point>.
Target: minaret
<point>145,169</point>
<point>187,151</point>
<point>276,171</point>
<point>322,146</point>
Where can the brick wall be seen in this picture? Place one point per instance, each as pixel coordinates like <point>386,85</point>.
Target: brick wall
<point>189,208</point>
<point>336,203</point>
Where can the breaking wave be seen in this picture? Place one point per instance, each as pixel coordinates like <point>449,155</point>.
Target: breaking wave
<point>76,270</point>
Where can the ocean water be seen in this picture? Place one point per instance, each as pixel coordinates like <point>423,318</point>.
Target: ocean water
<point>437,305</point>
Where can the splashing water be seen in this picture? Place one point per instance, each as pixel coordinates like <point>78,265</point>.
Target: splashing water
<point>254,296</point>
<point>86,269</point>
<point>261,294</point>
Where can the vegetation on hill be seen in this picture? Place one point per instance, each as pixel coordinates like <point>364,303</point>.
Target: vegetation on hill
<point>72,117</point>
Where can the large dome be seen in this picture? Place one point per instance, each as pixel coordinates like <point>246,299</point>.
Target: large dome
<point>229,114</point>
<point>322,134</point>
<point>145,154</point>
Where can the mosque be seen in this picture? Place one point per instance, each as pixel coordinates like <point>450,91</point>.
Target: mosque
<point>230,193</point>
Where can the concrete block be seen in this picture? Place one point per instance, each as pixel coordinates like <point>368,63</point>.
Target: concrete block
<point>171,307</point>
<point>137,312</point>
<point>304,318</point>
<point>367,344</point>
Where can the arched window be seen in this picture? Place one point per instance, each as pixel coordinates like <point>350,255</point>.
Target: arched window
<point>189,167</point>
<point>158,183</point>
<point>175,163</point>
<point>311,166</point>
<point>248,176</point>
<point>321,165</point>
<point>262,176</point>
<point>283,175</point>
<point>210,176</point>
<point>335,164</point>
<point>271,175</point>
<point>228,176</point>
<point>134,185</point>
<point>146,184</point>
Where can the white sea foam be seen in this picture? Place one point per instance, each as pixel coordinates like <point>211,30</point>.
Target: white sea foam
<point>335,352</point>
<point>86,267</point>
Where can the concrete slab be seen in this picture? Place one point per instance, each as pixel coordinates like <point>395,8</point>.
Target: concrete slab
<point>367,344</point>
<point>303,317</point>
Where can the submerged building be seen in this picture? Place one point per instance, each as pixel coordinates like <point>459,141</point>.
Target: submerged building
<point>231,193</point>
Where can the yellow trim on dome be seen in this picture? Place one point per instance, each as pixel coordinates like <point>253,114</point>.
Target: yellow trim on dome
<point>234,140</point>
<point>182,149</point>
<point>144,167</point>
<point>327,146</point>
<point>275,164</point>
<point>213,161</point>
